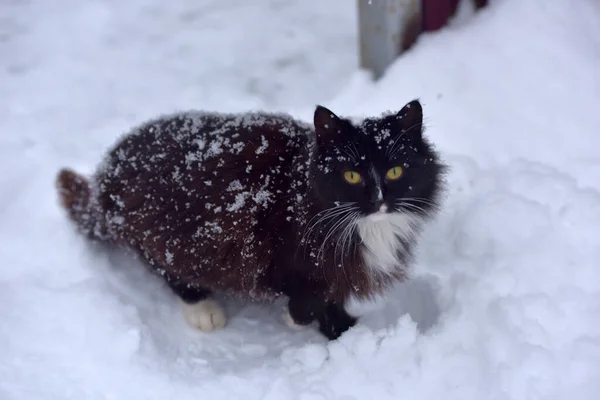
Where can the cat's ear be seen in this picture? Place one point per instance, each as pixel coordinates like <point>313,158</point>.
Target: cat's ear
<point>327,124</point>
<point>410,118</point>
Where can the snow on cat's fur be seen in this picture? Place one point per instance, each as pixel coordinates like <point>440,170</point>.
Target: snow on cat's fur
<point>260,205</point>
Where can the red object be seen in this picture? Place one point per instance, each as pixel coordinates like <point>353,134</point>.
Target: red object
<point>436,13</point>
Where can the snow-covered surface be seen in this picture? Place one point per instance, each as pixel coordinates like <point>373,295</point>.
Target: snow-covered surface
<point>505,301</point>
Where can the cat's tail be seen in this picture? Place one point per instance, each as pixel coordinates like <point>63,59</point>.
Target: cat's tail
<point>76,197</point>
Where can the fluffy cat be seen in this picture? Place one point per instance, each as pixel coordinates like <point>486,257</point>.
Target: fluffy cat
<point>260,205</point>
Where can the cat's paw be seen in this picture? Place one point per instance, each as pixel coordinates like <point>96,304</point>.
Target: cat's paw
<point>289,321</point>
<point>206,315</point>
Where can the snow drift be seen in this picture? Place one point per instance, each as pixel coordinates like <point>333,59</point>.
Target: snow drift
<point>505,300</point>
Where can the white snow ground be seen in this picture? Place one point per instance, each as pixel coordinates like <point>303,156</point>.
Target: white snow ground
<point>505,302</point>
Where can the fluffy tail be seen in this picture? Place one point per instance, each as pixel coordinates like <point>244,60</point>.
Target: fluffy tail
<point>75,196</point>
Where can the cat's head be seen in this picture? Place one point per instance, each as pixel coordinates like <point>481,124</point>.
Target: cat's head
<point>379,168</point>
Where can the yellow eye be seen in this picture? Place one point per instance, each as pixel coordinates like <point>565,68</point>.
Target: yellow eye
<point>352,177</point>
<point>394,173</point>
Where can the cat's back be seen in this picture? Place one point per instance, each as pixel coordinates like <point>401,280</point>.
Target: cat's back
<point>202,136</point>
<point>207,190</point>
<point>193,145</point>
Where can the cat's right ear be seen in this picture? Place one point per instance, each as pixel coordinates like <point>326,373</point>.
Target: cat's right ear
<point>327,124</point>
<point>411,118</point>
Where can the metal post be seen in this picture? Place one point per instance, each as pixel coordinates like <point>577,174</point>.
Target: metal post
<point>386,29</point>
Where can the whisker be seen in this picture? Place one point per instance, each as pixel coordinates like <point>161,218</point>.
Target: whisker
<point>351,231</point>
<point>391,149</point>
<point>412,206</point>
<point>327,211</point>
<point>351,156</point>
<point>418,199</point>
<point>356,151</point>
<point>322,216</point>
<point>331,214</point>
<point>339,240</point>
<point>421,200</point>
<point>347,238</point>
<point>352,152</point>
<point>405,131</point>
<point>347,231</point>
<point>330,232</point>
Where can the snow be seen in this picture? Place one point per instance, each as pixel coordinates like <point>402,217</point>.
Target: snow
<point>505,299</point>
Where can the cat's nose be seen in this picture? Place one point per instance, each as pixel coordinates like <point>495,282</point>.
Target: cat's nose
<point>379,207</point>
<point>376,204</point>
<point>377,198</point>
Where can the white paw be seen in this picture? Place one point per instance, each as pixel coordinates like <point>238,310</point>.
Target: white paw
<point>289,321</point>
<point>206,315</point>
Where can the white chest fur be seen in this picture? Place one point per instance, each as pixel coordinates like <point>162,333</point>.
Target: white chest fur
<point>382,237</point>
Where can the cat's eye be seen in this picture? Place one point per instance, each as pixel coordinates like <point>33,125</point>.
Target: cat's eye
<point>352,177</point>
<point>394,173</point>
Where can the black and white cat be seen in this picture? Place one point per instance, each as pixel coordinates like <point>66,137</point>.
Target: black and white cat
<point>260,205</point>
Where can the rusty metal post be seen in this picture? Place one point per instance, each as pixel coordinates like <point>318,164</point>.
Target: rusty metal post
<point>386,29</point>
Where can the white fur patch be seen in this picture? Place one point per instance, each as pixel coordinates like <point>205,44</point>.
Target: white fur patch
<point>289,321</point>
<point>206,315</point>
<point>359,306</point>
<point>380,233</point>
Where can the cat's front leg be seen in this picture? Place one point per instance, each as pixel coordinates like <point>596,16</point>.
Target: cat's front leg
<point>335,320</point>
<point>302,311</point>
<point>289,321</point>
<point>199,309</point>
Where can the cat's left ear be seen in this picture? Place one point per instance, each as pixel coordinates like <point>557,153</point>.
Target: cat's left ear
<point>410,118</point>
<point>327,124</point>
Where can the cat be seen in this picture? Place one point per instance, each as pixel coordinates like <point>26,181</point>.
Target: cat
<point>261,205</point>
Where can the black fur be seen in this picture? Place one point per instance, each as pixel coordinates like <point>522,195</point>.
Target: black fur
<point>236,203</point>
